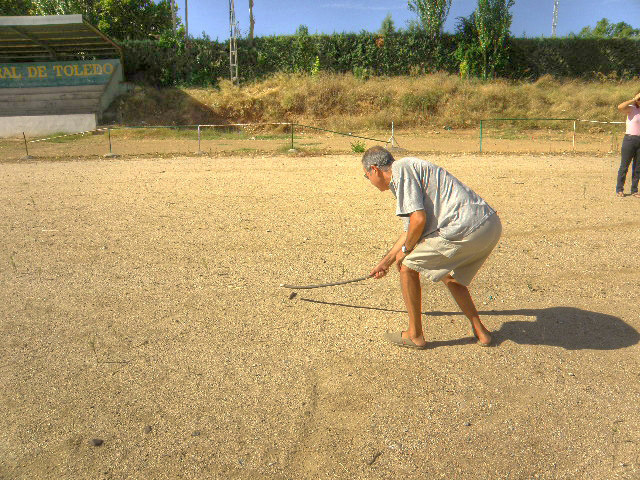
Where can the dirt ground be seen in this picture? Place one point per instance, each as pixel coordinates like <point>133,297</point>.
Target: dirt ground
<point>140,305</point>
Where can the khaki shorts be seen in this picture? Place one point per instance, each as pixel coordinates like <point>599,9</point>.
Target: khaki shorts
<point>435,256</point>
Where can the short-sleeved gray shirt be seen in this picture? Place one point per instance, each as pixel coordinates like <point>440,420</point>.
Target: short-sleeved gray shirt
<point>453,209</point>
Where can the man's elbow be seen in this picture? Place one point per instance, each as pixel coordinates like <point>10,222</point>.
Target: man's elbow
<point>420,218</point>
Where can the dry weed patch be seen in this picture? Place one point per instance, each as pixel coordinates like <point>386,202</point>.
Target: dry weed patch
<point>412,101</point>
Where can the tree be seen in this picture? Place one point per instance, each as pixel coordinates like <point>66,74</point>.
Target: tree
<point>604,29</point>
<point>120,19</point>
<point>493,21</point>
<point>468,51</point>
<point>15,7</point>
<point>65,7</point>
<point>387,27</point>
<point>302,50</point>
<point>134,19</point>
<point>432,14</point>
<point>482,49</point>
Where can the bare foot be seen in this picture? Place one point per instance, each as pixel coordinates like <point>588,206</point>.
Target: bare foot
<point>481,333</point>
<point>419,340</point>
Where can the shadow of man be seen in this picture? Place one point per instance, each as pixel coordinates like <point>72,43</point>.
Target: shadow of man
<point>566,327</point>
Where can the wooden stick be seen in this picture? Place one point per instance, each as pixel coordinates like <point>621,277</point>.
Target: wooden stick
<point>303,287</point>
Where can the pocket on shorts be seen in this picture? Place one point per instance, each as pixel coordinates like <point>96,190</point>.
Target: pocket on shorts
<point>447,248</point>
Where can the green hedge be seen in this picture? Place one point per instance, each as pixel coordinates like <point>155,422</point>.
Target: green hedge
<point>169,63</point>
<point>202,62</point>
<point>574,57</point>
<point>396,54</point>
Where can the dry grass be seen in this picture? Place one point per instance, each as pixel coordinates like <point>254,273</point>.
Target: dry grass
<point>344,101</point>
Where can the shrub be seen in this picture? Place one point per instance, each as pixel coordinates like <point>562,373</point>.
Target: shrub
<point>358,147</point>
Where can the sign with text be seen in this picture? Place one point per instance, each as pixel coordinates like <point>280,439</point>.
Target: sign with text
<point>57,74</point>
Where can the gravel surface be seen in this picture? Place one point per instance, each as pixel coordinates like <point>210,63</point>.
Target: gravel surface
<point>140,306</point>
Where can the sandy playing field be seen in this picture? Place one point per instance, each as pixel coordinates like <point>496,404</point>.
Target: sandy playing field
<point>140,305</point>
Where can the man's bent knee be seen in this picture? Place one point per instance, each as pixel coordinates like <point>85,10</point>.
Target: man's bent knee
<point>447,279</point>
<point>404,270</point>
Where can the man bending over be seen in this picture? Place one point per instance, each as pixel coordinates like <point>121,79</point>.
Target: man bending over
<point>449,231</point>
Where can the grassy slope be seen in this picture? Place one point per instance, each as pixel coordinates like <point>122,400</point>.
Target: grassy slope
<point>343,101</point>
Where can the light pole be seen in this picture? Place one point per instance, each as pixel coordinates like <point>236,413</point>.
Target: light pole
<point>233,44</point>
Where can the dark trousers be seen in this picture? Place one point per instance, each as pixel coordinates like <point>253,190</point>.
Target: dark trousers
<point>630,151</point>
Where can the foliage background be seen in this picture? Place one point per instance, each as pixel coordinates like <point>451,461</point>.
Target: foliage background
<point>481,47</point>
<point>119,19</point>
<point>202,62</point>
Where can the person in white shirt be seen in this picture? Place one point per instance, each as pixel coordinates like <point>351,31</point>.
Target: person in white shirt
<point>630,147</point>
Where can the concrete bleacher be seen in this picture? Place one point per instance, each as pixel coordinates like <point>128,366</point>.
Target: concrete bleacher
<point>58,74</point>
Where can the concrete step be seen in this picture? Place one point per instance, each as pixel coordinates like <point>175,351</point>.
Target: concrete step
<point>65,111</point>
<point>50,101</point>
<point>36,97</point>
<point>51,108</point>
<point>51,90</point>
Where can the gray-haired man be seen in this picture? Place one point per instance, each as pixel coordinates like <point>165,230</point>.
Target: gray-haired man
<point>449,231</point>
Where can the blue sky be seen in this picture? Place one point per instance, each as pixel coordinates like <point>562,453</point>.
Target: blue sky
<point>530,17</point>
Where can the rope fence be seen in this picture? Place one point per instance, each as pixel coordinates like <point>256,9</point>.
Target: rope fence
<point>240,125</point>
<point>292,127</point>
<point>67,135</point>
<point>200,128</point>
<point>574,120</point>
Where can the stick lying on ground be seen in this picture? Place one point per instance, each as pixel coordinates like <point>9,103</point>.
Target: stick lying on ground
<point>302,287</point>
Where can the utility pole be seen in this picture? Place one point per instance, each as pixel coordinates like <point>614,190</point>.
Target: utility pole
<point>252,22</point>
<point>554,24</point>
<point>186,19</point>
<point>233,44</point>
<point>173,16</point>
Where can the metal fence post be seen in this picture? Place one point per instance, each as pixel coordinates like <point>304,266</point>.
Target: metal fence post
<point>292,148</point>
<point>199,140</point>
<point>574,135</point>
<point>25,144</point>
<point>110,154</point>
<point>480,136</point>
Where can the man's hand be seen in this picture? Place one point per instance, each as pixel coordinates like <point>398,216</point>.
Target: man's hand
<point>636,98</point>
<point>399,258</point>
<point>380,271</point>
